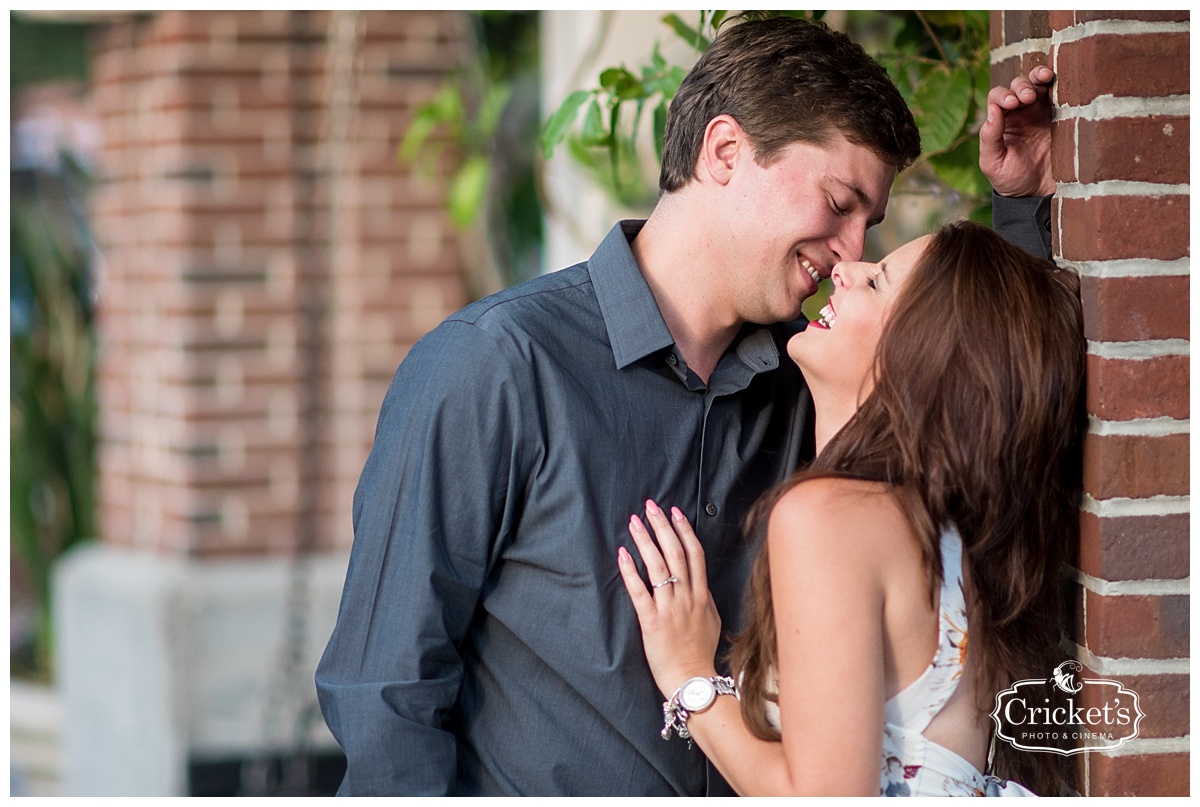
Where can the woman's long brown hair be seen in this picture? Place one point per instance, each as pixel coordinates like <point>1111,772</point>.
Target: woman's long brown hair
<point>975,420</point>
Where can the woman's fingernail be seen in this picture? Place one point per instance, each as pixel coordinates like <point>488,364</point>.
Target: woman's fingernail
<point>677,514</point>
<point>652,508</point>
<point>636,522</point>
<point>622,555</point>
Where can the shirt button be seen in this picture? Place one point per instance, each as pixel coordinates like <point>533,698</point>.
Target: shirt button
<point>671,360</point>
<point>710,508</point>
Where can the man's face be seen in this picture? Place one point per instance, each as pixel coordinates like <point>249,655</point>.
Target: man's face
<point>791,221</point>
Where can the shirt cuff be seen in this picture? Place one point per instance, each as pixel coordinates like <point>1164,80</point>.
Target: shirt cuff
<point>1024,221</point>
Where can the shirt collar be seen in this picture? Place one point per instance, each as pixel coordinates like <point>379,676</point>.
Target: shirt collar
<point>635,325</point>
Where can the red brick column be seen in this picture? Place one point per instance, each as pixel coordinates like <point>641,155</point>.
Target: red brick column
<point>266,264</point>
<point>1121,218</point>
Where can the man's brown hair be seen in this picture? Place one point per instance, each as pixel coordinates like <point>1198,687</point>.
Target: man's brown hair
<point>786,80</point>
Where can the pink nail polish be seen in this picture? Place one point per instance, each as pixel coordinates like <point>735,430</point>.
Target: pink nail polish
<point>677,514</point>
<point>651,507</point>
<point>636,522</point>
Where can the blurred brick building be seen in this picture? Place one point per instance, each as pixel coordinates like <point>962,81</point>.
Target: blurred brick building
<point>265,262</point>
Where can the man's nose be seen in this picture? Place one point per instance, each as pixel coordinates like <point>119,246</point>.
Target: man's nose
<point>850,241</point>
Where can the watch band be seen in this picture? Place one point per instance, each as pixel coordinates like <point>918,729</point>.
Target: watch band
<point>675,717</point>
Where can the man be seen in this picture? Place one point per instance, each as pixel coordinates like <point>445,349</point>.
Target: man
<point>485,645</point>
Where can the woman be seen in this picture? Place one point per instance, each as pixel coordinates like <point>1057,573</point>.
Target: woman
<point>943,501</point>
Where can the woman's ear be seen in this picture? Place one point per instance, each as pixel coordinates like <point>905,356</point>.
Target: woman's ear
<point>725,142</point>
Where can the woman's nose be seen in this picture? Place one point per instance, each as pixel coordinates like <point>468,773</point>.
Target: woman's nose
<point>842,273</point>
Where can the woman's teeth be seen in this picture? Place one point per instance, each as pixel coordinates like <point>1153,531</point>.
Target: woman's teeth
<point>828,316</point>
<point>813,273</point>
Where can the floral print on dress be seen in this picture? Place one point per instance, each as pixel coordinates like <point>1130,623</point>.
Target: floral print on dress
<point>911,764</point>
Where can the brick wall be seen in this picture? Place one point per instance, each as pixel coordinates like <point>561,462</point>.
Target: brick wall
<point>1120,157</point>
<point>266,262</point>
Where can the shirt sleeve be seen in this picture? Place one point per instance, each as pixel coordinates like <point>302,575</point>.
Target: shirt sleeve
<point>1025,222</point>
<point>430,510</point>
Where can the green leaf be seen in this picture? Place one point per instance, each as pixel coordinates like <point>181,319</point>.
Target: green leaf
<point>465,197</point>
<point>940,104</point>
<point>717,18</point>
<point>622,84</point>
<point>560,122</point>
<point>443,111</point>
<point>686,32</point>
<point>672,80</point>
<point>492,108</point>
<point>422,126</point>
<point>594,133</point>
<point>983,83</point>
<point>959,168</point>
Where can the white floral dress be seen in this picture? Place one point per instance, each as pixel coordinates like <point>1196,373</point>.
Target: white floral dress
<point>913,765</point>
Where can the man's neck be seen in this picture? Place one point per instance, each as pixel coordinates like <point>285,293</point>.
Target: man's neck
<point>687,280</point>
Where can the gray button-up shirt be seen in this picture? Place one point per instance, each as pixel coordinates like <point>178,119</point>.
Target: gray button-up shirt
<point>486,644</point>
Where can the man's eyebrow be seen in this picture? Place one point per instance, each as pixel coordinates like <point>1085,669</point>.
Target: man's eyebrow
<point>860,195</point>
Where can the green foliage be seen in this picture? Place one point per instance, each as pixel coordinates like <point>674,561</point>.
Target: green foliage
<point>608,128</point>
<point>45,51</point>
<point>448,118</point>
<point>52,396</point>
<point>483,120</point>
<point>938,59</point>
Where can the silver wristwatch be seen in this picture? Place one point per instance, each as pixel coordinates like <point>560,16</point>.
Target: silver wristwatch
<point>695,696</point>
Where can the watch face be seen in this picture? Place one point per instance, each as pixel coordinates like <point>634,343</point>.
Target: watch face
<point>697,694</point>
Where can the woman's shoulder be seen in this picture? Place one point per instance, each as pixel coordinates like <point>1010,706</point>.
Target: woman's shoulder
<point>837,517</point>
<point>837,502</point>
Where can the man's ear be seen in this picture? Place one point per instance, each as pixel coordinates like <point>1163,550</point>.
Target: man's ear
<point>725,143</point>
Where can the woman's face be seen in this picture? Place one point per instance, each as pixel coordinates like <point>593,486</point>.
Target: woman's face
<point>839,348</point>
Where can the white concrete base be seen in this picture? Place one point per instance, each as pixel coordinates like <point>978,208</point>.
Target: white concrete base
<point>162,660</point>
<point>35,725</point>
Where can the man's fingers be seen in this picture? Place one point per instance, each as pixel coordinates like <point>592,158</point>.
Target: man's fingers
<point>1041,75</point>
<point>1003,97</point>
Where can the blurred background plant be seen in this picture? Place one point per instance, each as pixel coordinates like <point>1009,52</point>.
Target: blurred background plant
<point>938,59</point>
<point>484,118</point>
<point>51,343</point>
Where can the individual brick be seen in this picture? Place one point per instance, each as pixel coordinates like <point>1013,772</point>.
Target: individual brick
<point>1153,547</point>
<point>1150,149</point>
<point>1122,227</point>
<point>1135,466</point>
<point>1143,775</point>
<point>1137,626</point>
<point>1021,25</point>
<point>1133,309</point>
<point>1101,65</point>
<point>1129,389</point>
